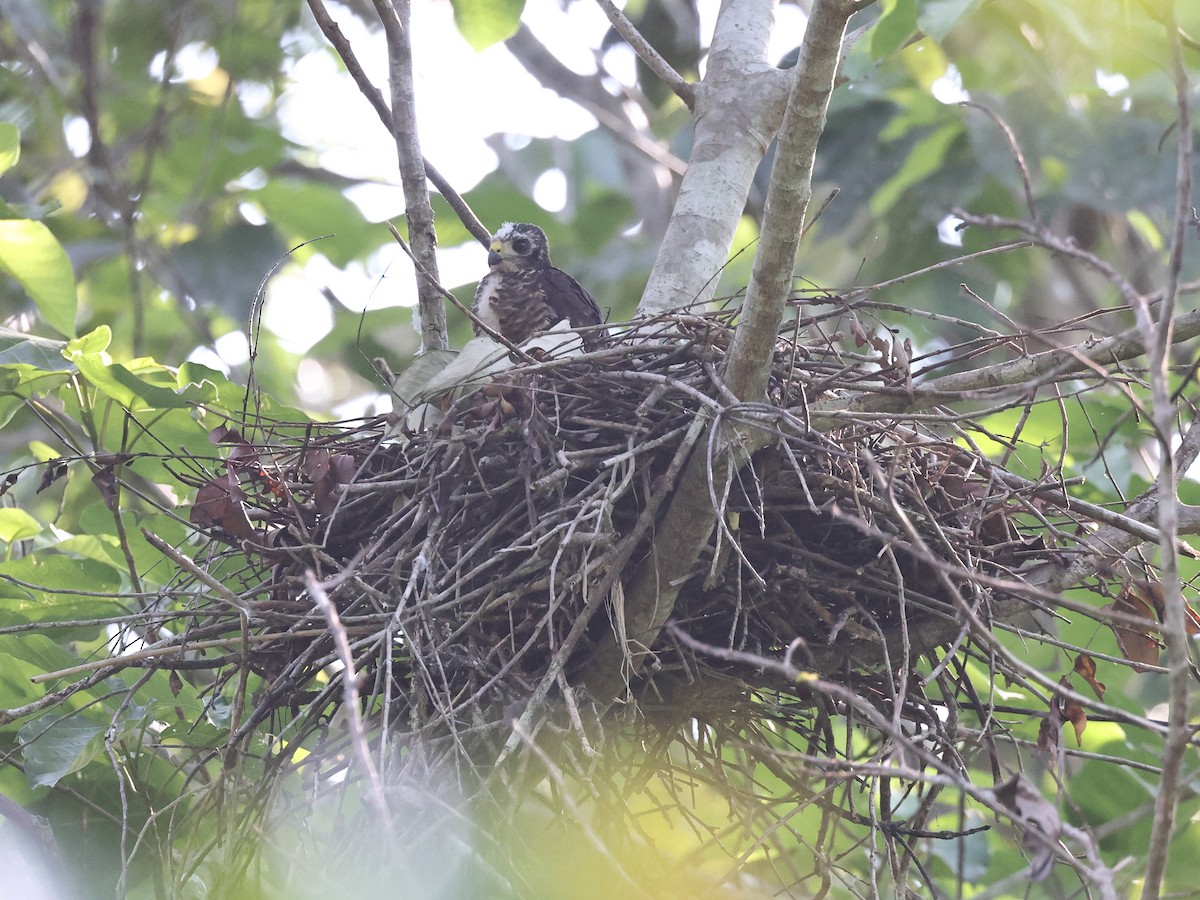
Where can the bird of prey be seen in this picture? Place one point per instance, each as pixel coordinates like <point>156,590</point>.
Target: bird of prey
<point>523,293</point>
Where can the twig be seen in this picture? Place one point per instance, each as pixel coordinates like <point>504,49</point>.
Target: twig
<point>373,96</point>
<point>417,210</point>
<point>1018,156</point>
<point>1174,632</point>
<point>651,57</point>
<point>358,734</point>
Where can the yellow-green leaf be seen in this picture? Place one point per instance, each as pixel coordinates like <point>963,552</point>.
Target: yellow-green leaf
<point>486,22</point>
<point>10,146</point>
<point>35,258</point>
<point>17,525</point>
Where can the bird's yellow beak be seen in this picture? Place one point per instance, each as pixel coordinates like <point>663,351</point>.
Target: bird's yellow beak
<point>494,258</point>
<point>496,247</point>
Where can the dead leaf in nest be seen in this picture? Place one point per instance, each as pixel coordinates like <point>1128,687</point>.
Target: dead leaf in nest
<point>1030,808</point>
<point>1151,593</point>
<point>220,503</point>
<point>1137,643</point>
<point>1085,666</point>
<point>336,471</point>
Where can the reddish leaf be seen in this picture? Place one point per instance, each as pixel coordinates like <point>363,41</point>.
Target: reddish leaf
<point>106,478</point>
<point>1137,642</point>
<point>342,468</point>
<point>212,500</point>
<point>315,464</point>
<point>1050,730</point>
<point>1086,667</point>
<point>236,522</point>
<point>1071,710</point>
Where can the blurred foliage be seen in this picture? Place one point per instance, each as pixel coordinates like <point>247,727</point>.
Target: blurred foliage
<point>148,192</point>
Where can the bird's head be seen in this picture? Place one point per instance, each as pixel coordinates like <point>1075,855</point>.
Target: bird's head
<point>522,244</point>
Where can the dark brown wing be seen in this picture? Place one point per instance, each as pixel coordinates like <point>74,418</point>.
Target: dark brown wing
<point>568,299</point>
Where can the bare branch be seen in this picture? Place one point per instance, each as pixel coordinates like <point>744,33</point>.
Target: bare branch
<point>422,233</point>
<point>651,57</point>
<point>589,94</point>
<point>358,734</point>
<point>1174,630</point>
<point>787,200</point>
<point>373,96</point>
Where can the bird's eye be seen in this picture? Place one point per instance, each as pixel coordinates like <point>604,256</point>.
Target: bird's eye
<point>521,246</point>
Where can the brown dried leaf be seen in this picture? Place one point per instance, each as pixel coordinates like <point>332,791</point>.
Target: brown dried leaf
<point>315,464</point>
<point>212,500</point>
<point>55,470</point>
<point>342,468</point>
<point>1137,642</point>
<point>1151,593</point>
<point>10,481</point>
<point>1072,711</point>
<point>236,522</point>
<point>1085,666</point>
<point>106,479</point>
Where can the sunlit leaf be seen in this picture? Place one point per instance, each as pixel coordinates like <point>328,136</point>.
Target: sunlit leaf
<point>10,146</point>
<point>17,525</point>
<point>36,260</point>
<point>486,22</point>
<point>897,24</point>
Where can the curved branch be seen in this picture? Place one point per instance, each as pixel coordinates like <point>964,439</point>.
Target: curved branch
<point>651,57</point>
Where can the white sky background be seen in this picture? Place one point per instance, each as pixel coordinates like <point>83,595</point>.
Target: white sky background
<point>463,97</point>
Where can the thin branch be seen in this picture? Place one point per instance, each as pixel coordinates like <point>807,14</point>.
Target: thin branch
<point>358,733</point>
<point>651,57</point>
<point>1018,157</point>
<point>1174,630</point>
<point>788,195</point>
<point>373,96</point>
<point>422,233</point>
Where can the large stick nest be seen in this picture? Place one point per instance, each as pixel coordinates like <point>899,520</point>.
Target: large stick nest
<point>476,566</point>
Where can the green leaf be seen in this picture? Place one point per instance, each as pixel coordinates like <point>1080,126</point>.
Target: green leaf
<point>897,24</point>
<point>18,348</point>
<point>55,747</point>
<point>486,22</point>
<point>17,525</point>
<point>937,18</point>
<point>10,146</point>
<point>923,160</point>
<point>35,258</point>
<point>37,650</point>
<point>135,393</point>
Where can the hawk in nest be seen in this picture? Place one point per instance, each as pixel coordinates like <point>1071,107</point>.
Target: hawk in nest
<point>523,293</point>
